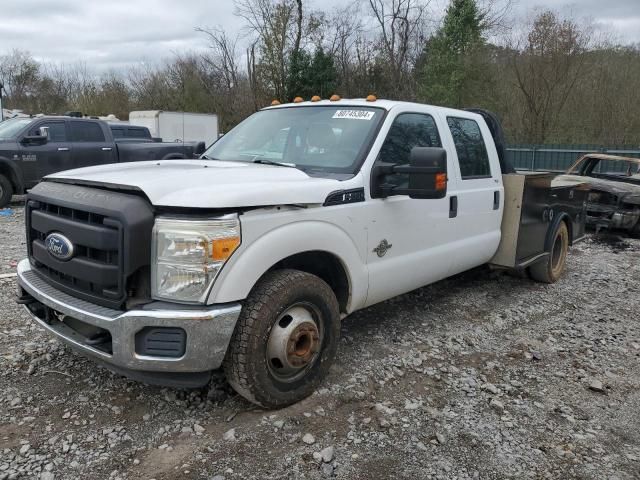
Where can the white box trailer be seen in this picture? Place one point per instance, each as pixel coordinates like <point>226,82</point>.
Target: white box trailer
<point>178,126</point>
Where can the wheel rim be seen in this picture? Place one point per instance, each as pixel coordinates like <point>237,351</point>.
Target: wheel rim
<point>294,343</point>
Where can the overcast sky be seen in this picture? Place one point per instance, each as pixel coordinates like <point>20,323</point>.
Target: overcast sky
<point>115,34</point>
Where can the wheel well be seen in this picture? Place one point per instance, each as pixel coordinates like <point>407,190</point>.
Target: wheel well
<point>324,265</point>
<point>11,175</point>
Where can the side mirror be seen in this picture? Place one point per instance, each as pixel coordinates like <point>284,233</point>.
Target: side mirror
<point>37,139</point>
<point>427,171</point>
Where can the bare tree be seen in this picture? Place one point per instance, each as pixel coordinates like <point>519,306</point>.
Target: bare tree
<point>400,22</point>
<point>272,21</point>
<point>224,58</point>
<point>548,62</point>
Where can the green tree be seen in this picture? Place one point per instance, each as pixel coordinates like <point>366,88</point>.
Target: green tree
<point>311,75</point>
<point>453,61</point>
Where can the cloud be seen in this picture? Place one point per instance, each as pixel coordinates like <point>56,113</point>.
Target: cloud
<point>108,34</point>
<point>119,33</point>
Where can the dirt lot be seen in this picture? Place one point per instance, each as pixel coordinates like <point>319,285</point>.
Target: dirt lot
<point>480,376</point>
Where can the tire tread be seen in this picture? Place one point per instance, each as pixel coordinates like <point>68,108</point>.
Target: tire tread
<point>263,295</point>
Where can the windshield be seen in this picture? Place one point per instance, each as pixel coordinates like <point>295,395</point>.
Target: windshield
<point>612,168</point>
<point>621,169</point>
<point>10,128</point>
<point>319,138</point>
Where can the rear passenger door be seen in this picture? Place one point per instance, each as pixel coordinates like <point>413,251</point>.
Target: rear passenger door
<point>479,196</point>
<point>90,146</point>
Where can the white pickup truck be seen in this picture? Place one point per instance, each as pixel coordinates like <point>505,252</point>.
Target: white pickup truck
<point>248,258</point>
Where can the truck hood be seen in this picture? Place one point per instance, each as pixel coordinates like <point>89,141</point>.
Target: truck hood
<point>206,183</point>
<point>611,186</point>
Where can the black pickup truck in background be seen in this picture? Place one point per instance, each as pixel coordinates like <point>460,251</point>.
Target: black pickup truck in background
<point>123,132</point>
<point>31,148</point>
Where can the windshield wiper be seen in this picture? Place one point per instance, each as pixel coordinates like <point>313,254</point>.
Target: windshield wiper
<point>265,161</point>
<point>207,157</point>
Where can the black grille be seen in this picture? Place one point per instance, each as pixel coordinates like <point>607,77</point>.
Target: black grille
<point>95,271</point>
<point>111,233</point>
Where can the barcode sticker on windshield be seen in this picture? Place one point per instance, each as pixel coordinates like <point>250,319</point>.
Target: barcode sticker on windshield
<point>354,114</point>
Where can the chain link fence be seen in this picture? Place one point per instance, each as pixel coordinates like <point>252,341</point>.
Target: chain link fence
<point>558,158</point>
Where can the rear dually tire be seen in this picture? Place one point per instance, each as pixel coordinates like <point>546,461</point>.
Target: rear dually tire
<point>552,267</point>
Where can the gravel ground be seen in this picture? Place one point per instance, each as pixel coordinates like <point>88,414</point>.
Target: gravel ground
<point>479,376</point>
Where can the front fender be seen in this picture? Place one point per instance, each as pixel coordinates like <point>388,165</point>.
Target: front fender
<point>250,262</point>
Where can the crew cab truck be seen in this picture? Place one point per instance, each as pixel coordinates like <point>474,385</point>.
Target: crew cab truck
<point>249,257</point>
<point>31,148</point>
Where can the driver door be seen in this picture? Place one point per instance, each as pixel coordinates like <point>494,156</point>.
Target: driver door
<point>409,240</point>
<point>51,157</point>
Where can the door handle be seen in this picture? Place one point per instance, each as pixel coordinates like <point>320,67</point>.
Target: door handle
<point>453,206</point>
<point>496,200</point>
<point>63,149</point>
<point>106,149</point>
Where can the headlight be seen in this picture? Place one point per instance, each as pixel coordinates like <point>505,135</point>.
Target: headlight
<point>188,254</point>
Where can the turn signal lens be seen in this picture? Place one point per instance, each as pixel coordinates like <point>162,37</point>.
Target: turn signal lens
<point>222,249</point>
<point>441,181</point>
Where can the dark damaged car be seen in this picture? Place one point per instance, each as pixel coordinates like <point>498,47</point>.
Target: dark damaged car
<point>614,200</point>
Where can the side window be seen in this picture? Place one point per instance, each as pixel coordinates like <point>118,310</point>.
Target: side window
<point>407,131</point>
<point>471,149</point>
<point>117,132</point>
<point>137,133</point>
<point>57,132</point>
<point>86,132</point>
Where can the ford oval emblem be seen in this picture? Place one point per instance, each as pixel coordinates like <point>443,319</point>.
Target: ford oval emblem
<point>59,246</point>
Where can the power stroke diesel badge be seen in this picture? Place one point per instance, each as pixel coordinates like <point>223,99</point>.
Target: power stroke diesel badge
<point>382,248</point>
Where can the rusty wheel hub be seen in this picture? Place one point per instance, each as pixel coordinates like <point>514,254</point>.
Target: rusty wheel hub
<point>294,342</point>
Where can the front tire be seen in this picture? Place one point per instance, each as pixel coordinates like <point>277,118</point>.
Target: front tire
<point>6,191</point>
<point>285,340</point>
<point>552,267</point>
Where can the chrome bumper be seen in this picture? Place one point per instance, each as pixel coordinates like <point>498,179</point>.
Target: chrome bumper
<point>208,330</point>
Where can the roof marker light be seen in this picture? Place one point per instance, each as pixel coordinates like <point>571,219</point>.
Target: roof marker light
<point>275,102</point>
<point>315,98</point>
<point>371,98</point>
<point>298,100</point>
<point>335,97</point>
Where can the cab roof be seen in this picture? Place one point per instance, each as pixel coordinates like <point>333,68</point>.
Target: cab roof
<point>363,102</point>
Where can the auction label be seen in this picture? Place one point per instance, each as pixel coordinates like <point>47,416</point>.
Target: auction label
<point>354,114</point>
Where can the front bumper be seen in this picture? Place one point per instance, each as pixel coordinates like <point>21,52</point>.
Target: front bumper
<point>612,217</point>
<point>208,329</point>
